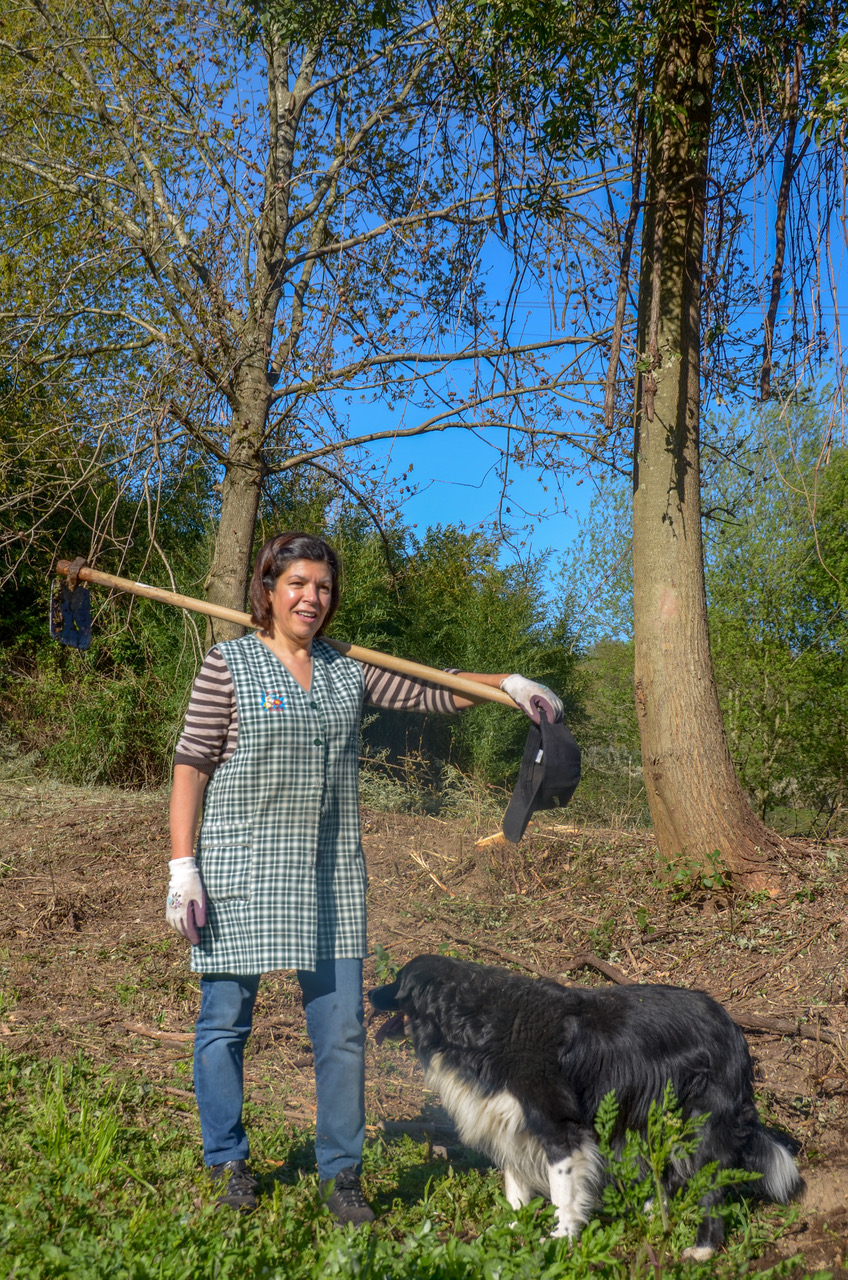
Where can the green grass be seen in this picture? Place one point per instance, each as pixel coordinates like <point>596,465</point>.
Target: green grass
<point>100,1179</point>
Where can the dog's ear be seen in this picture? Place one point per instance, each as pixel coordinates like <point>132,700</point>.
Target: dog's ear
<point>384,998</point>
<point>413,979</point>
<point>394,994</point>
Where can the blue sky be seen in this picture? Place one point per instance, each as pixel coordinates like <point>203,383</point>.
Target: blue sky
<point>455,473</point>
<point>458,484</point>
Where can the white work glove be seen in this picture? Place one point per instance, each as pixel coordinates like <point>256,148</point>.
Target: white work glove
<point>186,906</point>
<point>533,698</point>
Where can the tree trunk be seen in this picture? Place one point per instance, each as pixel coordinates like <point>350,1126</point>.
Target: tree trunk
<point>229,576</point>
<point>697,803</point>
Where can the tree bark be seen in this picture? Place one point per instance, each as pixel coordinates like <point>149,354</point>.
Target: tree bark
<point>241,488</point>
<point>697,803</point>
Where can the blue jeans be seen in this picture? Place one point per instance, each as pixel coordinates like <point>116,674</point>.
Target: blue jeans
<point>332,998</point>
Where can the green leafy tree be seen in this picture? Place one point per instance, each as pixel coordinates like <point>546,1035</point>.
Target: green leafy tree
<point>776,579</point>
<point>275,210</point>
<point>830,106</point>
<point>111,714</point>
<point>776,565</point>
<point>695,109</point>
<point>697,802</point>
<point>465,610</point>
<point>595,582</point>
<point>449,603</point>
<point>67,423</point>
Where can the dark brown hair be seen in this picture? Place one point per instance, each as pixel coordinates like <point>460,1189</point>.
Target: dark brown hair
<point>273,558</point>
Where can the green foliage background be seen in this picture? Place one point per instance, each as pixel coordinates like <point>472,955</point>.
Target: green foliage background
<point>776,550</point>
<point>450,604</point>
<point>113,714</point>
<point>777,579</point>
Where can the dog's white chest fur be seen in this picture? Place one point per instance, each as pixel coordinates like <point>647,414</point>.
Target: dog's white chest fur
<point>492,1123</point>
<point>495,1125</point>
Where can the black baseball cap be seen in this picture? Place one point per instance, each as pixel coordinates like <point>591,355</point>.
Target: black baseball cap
<point>549,774</point>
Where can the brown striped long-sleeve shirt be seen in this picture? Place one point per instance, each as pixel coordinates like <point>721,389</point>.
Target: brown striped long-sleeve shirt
<point>210,734</point>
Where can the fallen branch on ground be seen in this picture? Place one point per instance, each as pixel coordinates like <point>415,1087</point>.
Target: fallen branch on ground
<point>178,1037</point>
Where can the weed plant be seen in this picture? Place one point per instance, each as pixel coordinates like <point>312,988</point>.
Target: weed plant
<point>416,784</point>
<point>110,715</point>
<point>101,1180</point>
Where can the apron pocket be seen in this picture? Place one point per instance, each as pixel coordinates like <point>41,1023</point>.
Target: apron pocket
<point>225,856</point>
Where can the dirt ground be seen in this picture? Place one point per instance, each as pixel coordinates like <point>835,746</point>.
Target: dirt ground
<point>89,965</point>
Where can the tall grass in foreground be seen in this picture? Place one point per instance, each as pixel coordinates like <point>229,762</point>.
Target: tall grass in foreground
<point>101,1178</point>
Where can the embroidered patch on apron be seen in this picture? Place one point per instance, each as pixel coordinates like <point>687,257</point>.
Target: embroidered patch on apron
<point>273,701</point>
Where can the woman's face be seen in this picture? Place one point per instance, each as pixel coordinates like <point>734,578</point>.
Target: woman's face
<point>301,599</point>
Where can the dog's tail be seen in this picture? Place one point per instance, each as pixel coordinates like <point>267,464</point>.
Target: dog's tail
<point>764,1154</point>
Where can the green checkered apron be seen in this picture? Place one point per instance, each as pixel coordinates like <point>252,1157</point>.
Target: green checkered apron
<point>279,848</point>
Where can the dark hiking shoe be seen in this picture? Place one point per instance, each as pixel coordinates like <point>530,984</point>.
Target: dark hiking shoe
<point>236,1185</point>
<point>343,1197</point>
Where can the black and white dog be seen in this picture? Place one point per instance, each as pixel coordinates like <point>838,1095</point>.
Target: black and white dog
<point>522,1064</point>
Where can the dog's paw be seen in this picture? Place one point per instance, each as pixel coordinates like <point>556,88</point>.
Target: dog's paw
<point>566,1230</point>
<point>698,1252</point>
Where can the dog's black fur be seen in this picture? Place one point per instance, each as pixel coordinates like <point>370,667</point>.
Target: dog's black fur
<point>522,1065</point>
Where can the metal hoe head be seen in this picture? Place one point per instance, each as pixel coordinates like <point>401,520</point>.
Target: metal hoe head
<point>70,610</point>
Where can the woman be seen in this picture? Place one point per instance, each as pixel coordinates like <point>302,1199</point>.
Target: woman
<point>277,879</point>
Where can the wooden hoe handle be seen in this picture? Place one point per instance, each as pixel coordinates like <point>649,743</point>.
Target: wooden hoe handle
<point>470,688</point>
